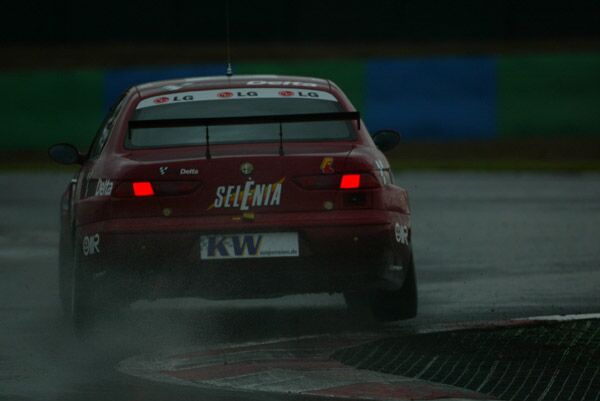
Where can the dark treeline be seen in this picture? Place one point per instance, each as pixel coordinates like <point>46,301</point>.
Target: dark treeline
<point>354,21</point>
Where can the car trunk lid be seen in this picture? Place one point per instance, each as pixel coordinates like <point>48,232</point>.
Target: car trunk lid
<point>237,181</point>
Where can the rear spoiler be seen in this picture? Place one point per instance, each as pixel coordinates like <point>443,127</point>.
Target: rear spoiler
<point>273,119</point>
<point>212,121</point>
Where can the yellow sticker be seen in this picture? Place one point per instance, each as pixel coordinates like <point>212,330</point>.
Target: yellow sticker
<point>327,165</point>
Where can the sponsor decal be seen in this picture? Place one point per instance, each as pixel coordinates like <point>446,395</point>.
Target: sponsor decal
<point>401,233</point>
<point>283,83</point>
<point>104,187</point>
<point>287,93</point>
<point>239,245</point>
<point>91,244</point>
<point>248,195</point>
<point>308,94</point>
<point>164,170</point>
<point>161,100</point>
<point>233,93</point>
<point>327,165</point>
<point>255,245</point>
<point>238,94</point>
<point>183,98</point>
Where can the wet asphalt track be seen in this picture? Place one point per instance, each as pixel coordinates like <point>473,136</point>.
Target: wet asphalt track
<point>487,246</point>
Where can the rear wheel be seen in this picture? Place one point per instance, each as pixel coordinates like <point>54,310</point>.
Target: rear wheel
<point>65,279</point>
<point>82,311</point>
<point>391,305</point>
<point>387,305</point>
<point>75,289</point>
<point>65,268</point>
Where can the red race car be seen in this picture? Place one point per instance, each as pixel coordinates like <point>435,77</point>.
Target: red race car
<point>235,187</point>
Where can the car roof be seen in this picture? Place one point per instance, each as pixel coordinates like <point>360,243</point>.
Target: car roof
<point>235,81</point>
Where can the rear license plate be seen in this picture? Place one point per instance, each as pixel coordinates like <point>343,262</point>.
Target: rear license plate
<point>254,245</point>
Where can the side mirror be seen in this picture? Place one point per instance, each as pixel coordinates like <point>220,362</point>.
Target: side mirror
<point>386,139</point>
<point>65,153</point>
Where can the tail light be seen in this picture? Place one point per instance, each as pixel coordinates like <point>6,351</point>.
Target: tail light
<point>338,181</point>
<point>136,189</point>
<point>142,189</point>
<point>350,181</point>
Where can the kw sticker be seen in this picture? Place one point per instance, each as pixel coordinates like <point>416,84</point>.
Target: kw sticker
<point>401,233</point>
<point>247,196</point>
<point>104,187</point>
<point>235,245</point>
<point>255,245</point>
<point>91,244</point>
<point>327,165</point>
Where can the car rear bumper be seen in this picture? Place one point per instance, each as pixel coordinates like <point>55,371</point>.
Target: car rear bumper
<point>160,257</point>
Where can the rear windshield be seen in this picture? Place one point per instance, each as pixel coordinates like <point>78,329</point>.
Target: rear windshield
<point>237,103</point>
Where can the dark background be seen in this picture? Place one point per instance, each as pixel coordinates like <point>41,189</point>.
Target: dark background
<point>533,66</point>
<point>267,21</point>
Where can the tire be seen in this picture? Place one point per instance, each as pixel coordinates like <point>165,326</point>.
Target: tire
<point>358,304</point>
<point>387,305</point>
<point>65,278</point>
<point>65,269</point>
<point>401,304</point>
<point>82,310</point>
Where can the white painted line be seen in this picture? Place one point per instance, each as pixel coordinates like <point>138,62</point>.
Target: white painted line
<point>566,318</point>
<point>483,324</point>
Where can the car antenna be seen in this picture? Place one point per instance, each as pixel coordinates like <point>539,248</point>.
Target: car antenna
<point>208,156</point>
<point>280,139</point>
<point>229,71</point>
